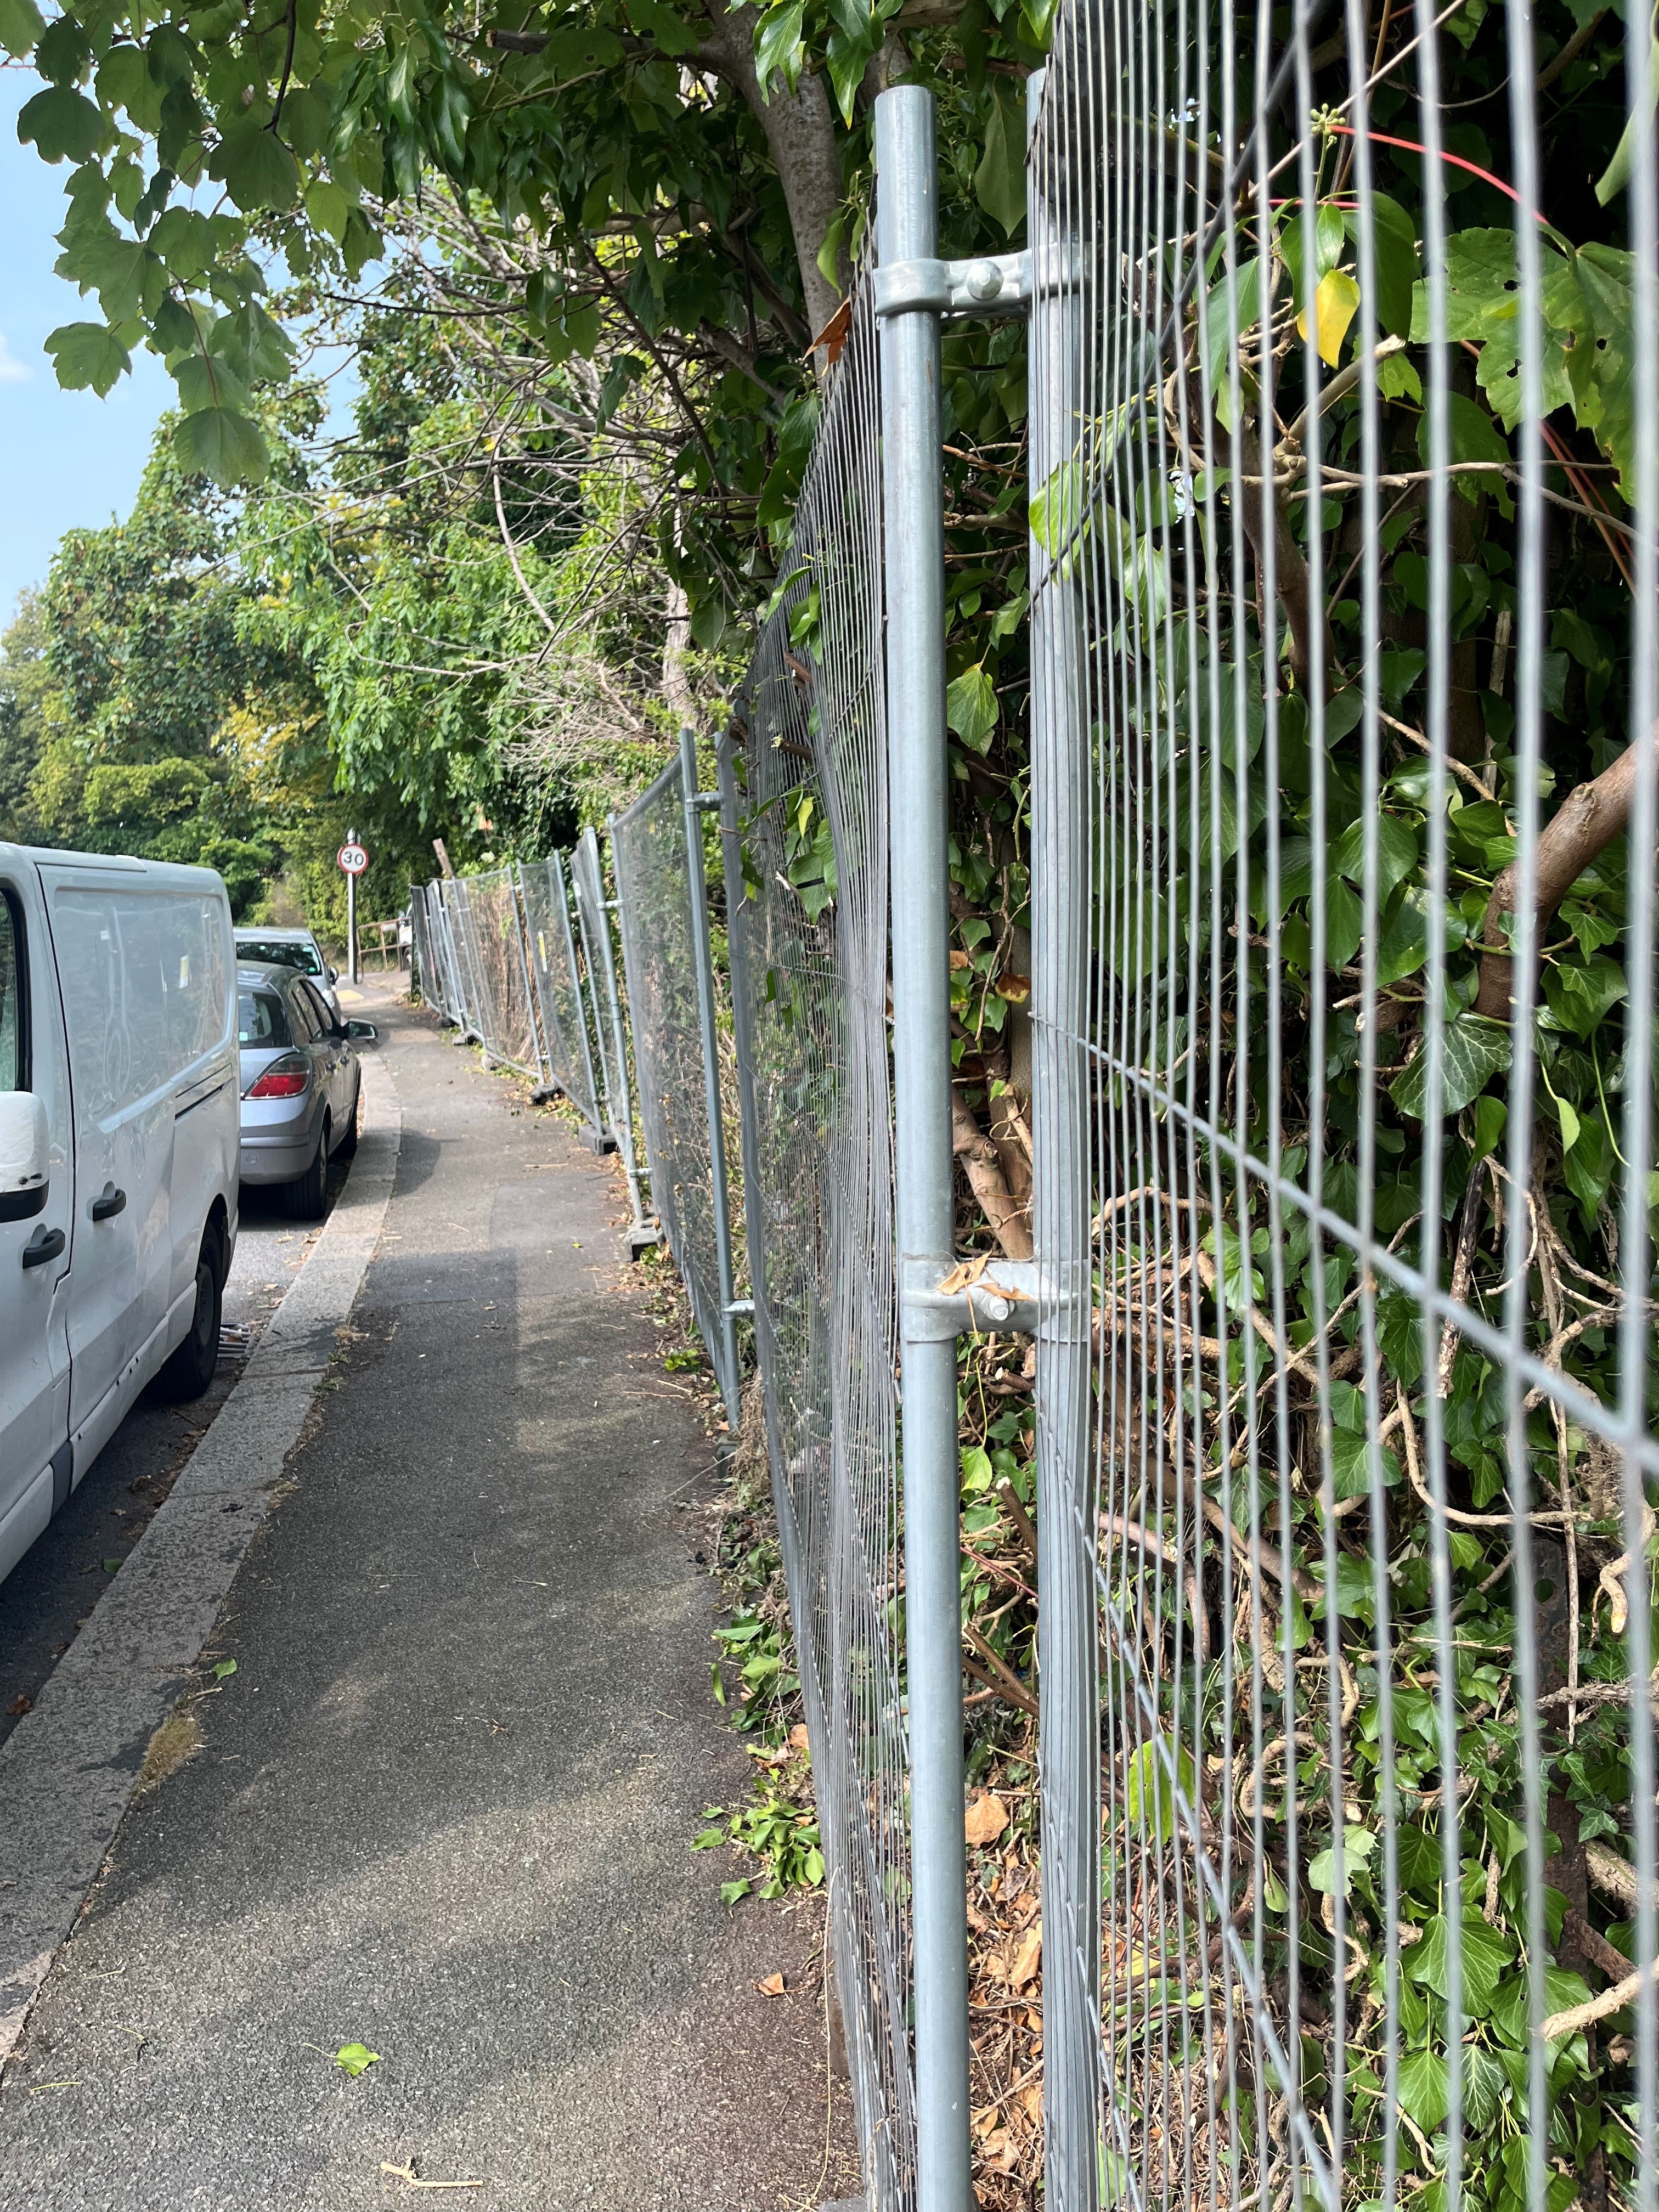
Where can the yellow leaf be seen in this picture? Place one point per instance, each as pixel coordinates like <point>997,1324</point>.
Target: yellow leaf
<point>1335,302</point>
<point>772,1986</point>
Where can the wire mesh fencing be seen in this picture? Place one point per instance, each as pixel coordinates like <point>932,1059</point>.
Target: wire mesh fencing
<point>806,819</point>
<point>656,850</point>
<point>593,912</point>
<point>1343,500</point>
<point>551,948</point>
<point>507,1016</point>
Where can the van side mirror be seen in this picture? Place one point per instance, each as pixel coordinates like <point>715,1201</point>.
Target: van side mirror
<point>365,1032</point>
<point>332,974</point>
<point>25,1155</point>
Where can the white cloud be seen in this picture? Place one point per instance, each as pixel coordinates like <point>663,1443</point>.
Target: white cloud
<point>11,371</point>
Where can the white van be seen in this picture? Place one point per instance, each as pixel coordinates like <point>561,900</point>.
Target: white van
<point>118,1135</point>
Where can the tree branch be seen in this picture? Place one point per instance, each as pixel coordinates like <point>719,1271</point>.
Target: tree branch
<point>1589,819</point>
<point>978,1155</point>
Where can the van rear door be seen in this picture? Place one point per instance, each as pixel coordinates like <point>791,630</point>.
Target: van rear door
<point>33,1289</point>
<point>111,937</point>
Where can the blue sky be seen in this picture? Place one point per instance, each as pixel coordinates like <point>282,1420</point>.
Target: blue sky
<point>66,457</point>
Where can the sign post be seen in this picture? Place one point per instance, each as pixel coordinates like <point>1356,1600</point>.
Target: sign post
<point>354,860</point>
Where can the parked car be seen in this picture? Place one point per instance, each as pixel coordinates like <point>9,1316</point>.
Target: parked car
<point>301,1083</point>
<point>292,948</point>
<point>119,1145</point>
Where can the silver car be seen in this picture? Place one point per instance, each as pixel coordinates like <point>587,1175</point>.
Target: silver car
<point>292,948</point>
<point>299,1081</point>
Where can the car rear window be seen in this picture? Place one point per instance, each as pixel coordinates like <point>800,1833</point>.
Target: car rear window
<point>279,952</point>
<point>261,1019</point>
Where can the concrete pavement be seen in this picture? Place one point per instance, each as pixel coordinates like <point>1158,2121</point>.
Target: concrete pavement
<point>445,1804</point>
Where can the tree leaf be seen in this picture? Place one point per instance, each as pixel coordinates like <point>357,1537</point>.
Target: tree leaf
<point>652,20</point>
<point>777,49</point>
<point>355,2058</point>
<point>223,444</point>
<point>1474,1049</point>
<point>61,122</point>
<point>88,356</point>
<point>21,25</point>
<point>1335,304</point>
<point>259,171</point>
<point>999,180</point>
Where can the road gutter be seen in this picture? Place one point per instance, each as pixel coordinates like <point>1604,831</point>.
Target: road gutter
<point>67,1769</point>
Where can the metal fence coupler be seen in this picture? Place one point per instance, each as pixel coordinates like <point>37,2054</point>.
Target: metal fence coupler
<point>971,1297</point>
<point>990,284</point>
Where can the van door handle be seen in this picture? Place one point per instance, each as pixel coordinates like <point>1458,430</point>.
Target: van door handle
<point>45,1244</point>
<point>108,1203</point>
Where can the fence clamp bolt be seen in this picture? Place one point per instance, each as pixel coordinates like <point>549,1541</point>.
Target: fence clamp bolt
<point>970,1297</point>
<point>990,284</point>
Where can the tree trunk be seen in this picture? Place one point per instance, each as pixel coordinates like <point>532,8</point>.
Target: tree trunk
<point>800,132</point>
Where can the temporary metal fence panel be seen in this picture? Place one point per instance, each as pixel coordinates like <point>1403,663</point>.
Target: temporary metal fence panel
<point>807,840</point>
<point>426,978</point>
<point>507,1016</point>
<point>446,961</point>
<point>469,974</point>
<point>662,904</point>
<point>557,980</point>
<point>1344,504</point>
<point>599,959</point>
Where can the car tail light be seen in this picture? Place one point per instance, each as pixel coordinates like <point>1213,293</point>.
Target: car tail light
<point>285,1079</point>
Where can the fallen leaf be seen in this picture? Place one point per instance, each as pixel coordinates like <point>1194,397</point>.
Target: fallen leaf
<point>20,1705</point>
<point>1031,2099</point>
<point>999,2150</point>
<point>987,1816</point>
<point>225,1668</point>
<point>772,1986</point>
<point>355,2058</point>
<point>1027,1959</point>
<point>798,1739</point>
<point>407,2174</point>
<point>1014,986</point>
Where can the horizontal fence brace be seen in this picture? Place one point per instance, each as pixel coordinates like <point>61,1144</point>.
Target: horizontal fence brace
<point>990,284</point>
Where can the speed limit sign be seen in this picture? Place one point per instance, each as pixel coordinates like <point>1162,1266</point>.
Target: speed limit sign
<point>353,859</point>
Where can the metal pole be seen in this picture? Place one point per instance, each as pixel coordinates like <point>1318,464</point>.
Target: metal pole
<point>1060,1214</point>
<point>737,939</point>
<point>522,923</point>
<point>621,1104</point>
<point>913,494</point>
<point>351,917</point>
<point>711,1075</point>
<point>591,1109</point>
<point>588,1006</point>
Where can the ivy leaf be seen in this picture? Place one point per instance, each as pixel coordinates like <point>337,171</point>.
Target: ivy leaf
<point>259,171</point>
<point>61,122</point>
<point>21,25</point>
<point>224,444</point>
<point>1472,1051</point>
<point>1357,1844</point>
<point>1396,853</point>
<point>1422,2088</point>
<point>1581,997</point>
<point>88,356</point>
<point>999,180</point>
<point>1149,1797</point>
<point>970,708</point>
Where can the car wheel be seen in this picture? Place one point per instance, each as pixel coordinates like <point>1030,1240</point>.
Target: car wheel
<point>189,1370</point>
<point>347,1147</point>
<point>305,1197</point>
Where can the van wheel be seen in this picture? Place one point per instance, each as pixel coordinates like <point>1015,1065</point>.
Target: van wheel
<point>307,1196</point>
<point>189,1370</point>
<point>347,1147</point>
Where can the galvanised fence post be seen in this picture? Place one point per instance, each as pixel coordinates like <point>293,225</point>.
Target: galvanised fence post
<point>641,1234</point>
<point>587,1002</point>
<point>592,1136</point>
<point>1061,908</point>
<point>925,1186</point>
<point>696,803</point>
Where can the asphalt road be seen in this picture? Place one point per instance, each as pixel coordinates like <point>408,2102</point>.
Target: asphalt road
<point>445,1804</point>
<point>50,1591</point>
